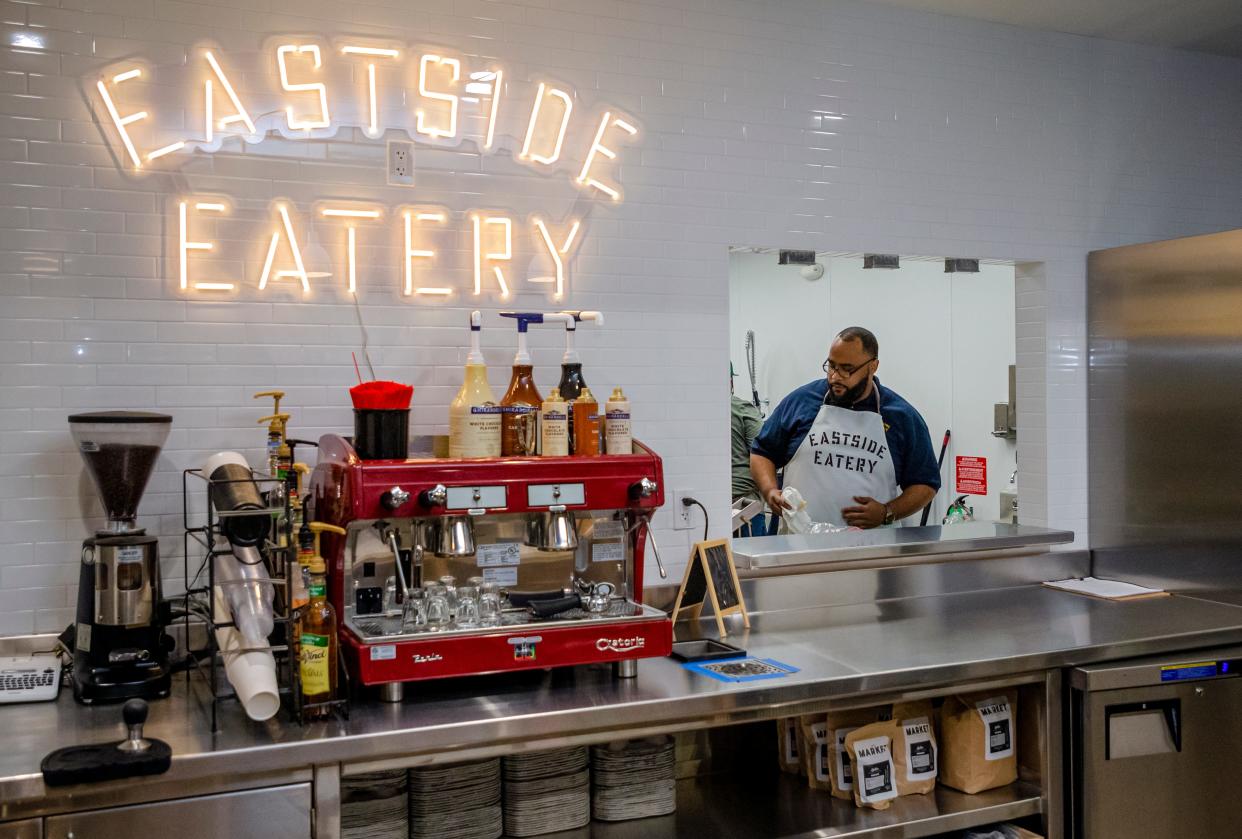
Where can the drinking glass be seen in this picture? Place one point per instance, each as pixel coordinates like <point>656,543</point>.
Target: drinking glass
<point>489,604</point>
<point>392,600</point>
<point>467,606</point>
<point>450,590</point>
<point>439,615</point>
<point>414,611</point>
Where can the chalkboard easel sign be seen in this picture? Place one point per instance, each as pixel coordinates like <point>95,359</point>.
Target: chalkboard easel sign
<point>711,573</point>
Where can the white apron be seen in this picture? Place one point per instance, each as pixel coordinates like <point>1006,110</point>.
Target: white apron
<point>845,453</point>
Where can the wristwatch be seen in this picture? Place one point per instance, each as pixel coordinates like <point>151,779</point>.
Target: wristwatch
<point>888,514</point>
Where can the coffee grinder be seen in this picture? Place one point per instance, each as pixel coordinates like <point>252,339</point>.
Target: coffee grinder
<point>120,650</point>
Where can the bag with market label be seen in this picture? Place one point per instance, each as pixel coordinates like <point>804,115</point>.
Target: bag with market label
<point>839,726</point>
<point>979,741</point>
<point>788,745</point>
<point>816,755</point>
<point>915,750</point>
<point>870,750</point>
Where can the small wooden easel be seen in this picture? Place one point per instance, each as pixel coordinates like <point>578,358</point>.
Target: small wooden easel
<point>711,572</point>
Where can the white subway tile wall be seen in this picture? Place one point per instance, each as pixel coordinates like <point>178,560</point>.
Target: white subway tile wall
<point>846,126</point>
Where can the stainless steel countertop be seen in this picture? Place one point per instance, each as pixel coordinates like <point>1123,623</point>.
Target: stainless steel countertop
<point>890,545</point>
<point>842,651</point>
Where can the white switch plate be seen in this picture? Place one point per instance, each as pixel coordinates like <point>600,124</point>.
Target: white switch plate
<point>400,163</point>
<point>682,515</point>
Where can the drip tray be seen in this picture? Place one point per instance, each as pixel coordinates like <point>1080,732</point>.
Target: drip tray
<point>375,627</point>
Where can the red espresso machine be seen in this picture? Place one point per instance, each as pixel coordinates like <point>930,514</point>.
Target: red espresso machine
<point>563,538</point>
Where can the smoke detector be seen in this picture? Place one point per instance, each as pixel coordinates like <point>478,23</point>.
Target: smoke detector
<point>812,272</point>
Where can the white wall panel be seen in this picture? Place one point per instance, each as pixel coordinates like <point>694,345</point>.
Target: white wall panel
<point>831,125</point>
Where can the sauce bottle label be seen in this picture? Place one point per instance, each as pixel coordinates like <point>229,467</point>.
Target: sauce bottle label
<point>314,664</point>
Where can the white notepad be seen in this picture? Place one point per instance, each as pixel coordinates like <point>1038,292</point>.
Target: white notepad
<point>1106,589</point>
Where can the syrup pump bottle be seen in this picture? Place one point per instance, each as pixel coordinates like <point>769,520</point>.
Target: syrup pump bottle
<point>572,383</point>
<point>316,633</point>
<point>474,417</point>
<point>521,402</point>
<point>275,430</point>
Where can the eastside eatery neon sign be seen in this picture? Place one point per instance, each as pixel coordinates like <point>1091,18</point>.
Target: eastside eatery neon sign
<point>304,88</point>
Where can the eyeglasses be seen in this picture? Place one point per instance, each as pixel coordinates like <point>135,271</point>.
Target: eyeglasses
<point>844,371</point>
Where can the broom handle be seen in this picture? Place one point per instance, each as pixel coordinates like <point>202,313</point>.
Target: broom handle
<point>944,445</point>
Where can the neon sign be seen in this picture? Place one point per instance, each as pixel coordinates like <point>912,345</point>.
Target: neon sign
<point>308,88</point>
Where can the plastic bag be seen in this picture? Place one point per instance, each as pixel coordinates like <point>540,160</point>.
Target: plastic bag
<point>798,520</point>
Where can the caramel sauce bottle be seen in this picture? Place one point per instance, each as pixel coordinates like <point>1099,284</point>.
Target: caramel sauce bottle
<point>519,420</point>
<point>586,424</point>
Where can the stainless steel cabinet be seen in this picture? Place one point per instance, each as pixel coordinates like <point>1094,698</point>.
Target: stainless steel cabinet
<point>1156,747</point>
<point>24,829</point>
<point>273,813</point>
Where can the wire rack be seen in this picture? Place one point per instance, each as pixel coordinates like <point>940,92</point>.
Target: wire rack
<point>202,546</point>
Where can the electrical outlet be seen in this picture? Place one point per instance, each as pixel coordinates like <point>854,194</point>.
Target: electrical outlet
<point>682,515</point>
<point>400,163</point>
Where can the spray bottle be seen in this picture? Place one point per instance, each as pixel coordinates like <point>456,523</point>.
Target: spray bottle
<point>474,416</point>
<point>520,405</point>
<point>572,382</point>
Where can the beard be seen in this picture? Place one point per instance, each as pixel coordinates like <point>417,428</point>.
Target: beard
<point>850,396</point>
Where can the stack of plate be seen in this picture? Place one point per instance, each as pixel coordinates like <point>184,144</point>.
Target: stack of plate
<point>461,800</point>
<point>547,791</point>
<point>633,779</point>
<point>373,806</point>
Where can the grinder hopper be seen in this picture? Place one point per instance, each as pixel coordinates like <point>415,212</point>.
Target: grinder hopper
<point>120,449</point>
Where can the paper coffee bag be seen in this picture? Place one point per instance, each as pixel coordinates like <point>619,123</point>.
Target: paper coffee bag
<point>840,724</point>
<point>816,755</point>
<point>979,741</point>
<point>915,755</point>
<point>870,751</point>
<point>788,749</point>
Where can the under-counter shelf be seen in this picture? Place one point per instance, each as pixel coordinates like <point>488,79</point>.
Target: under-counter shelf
<point>775,805</point>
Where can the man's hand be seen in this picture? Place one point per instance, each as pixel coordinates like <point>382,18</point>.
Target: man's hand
<point>869,512</point>
<point>777,501</point>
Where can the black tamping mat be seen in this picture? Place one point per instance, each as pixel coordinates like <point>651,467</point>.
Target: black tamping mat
<point>97,762</point>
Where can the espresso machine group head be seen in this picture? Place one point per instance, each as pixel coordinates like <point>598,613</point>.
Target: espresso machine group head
<point>120,650</point>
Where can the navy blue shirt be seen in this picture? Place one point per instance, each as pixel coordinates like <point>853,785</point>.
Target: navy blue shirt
<point>914,462</point>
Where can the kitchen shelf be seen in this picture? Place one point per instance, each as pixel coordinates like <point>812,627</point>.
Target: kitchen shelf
<point>889,547</point>
<point>774,805</point>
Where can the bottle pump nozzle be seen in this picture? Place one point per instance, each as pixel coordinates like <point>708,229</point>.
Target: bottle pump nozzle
<point>318,527</point>
<point>524,320</point>
<point>299,469</point>
<point>476,326</point>
<point>276,396</point>
<point>276,424</point>
<point>571,321</point>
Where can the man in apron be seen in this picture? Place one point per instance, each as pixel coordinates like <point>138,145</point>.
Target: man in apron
<point>859,453</point>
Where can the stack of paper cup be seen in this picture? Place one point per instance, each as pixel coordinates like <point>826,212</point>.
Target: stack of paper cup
<point>251,672</point>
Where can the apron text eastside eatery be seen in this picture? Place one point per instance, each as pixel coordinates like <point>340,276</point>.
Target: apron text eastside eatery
<point>307,89</point>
